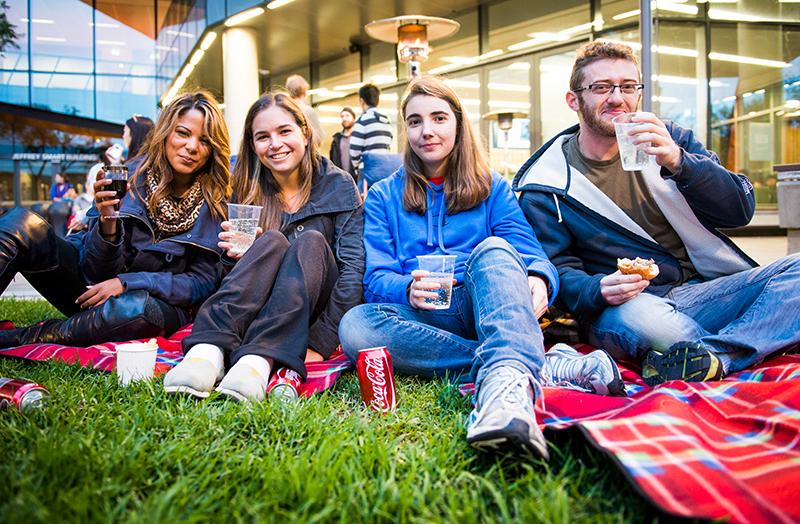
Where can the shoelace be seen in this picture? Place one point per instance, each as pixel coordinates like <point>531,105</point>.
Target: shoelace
<point>567,374</point>
<point>515,389</point>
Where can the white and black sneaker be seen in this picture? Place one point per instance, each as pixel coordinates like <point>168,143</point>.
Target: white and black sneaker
<point>594,373</point>
<point>504,420</point>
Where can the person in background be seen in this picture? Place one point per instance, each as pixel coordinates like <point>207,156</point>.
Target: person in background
<point>282,301</point>
<point>340,146</point>
<point>372,131</point>
<point>141,275</point>
<point>83,202</point>
<point>445,200</point>
<point>710,311</point>
<point>134,134</point>
<point>59,189</point>
<point>298,88</point>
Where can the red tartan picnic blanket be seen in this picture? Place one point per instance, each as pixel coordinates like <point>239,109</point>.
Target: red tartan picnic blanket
<point>321,375</point>
<point>727,449</point>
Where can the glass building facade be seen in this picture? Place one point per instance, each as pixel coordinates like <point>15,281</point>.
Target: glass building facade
<point>727,69</point>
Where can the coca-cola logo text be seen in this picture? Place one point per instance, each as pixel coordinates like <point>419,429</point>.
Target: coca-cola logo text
<point>376,373</point>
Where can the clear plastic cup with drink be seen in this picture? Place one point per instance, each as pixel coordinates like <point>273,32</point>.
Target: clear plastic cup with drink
<point>244,221</point>
<point>633,156</point>
<point>441,269</point>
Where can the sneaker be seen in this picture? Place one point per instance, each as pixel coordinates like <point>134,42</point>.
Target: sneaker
<point>593,373</point>
<point>243,383</point>
<point>192,376</point>
<point>687,361</point>
<point>504,419</point>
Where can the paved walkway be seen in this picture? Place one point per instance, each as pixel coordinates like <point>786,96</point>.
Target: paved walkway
<point>762,249</point>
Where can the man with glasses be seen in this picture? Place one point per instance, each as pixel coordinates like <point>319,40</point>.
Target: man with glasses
<point>711,310</point>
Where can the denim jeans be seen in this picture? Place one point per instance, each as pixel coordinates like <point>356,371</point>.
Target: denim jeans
<point>491,320</point>
<point>750,314</point>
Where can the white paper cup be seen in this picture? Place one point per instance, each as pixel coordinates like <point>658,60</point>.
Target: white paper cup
<point>244,221</point>
<point>441,268</point>
<point>135,362</point>
<point>632,156</point>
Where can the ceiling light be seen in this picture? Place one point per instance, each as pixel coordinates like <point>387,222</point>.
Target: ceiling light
<point>187,70</point>
<point>179,33</point>
<point>443,69</point>
<point>677,80</point>
<point>522,66</point>
<point>509,105</point>
<point>277,3</point>
<point>747,60</point>
<point>628,14</point>
<point>729,98</point>
<point>510,87</point>
<point>677,51</point>
<point>348,87</point>
<point>241,17</point>
<point>716,14</point>
<point>110,42</point>
<point>197,56</point>
<point>42,21</point>
<point>50,39</point>
<point>207,40</point>
<point>462,83</point>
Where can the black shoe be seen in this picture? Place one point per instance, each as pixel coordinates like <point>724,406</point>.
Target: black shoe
<point>687,361</point>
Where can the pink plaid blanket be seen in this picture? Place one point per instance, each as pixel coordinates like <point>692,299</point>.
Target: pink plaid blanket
<point>321,375</point>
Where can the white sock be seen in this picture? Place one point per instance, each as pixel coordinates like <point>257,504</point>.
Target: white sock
<point>262,366</point>
<point>208,352</point>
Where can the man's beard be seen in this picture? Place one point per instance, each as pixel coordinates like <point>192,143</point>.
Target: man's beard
<point>593,121</point>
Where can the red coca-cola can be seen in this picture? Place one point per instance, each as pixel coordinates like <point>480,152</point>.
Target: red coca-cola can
<point>284,385</point>
<point>22,395</point>
<point>376,378</point>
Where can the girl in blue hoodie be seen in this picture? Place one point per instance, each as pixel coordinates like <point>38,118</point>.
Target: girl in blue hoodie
<point>445,200</point>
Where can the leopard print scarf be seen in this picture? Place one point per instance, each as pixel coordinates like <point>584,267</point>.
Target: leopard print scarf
<point>173,216</point>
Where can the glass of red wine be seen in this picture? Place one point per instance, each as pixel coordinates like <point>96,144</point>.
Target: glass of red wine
<point>119,183</point>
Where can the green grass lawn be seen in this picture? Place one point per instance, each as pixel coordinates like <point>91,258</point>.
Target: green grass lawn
<point>105,453</point>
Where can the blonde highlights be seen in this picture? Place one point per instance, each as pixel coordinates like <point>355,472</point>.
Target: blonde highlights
<point>214,176</point>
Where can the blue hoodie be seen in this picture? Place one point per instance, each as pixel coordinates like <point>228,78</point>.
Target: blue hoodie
<point>393,237</point>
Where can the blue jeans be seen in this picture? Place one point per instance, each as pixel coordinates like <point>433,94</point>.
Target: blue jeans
<point>491,320</point>
<point>750,315</point>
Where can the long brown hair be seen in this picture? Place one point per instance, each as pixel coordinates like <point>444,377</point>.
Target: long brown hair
<point>253,182</point>
<point>467,179</point>
<point>214,175</point>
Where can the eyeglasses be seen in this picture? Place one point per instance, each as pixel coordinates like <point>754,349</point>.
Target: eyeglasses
<point>604,89</point>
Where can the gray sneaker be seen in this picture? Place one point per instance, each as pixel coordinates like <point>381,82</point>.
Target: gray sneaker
<point>504,419</point>
<point>593,373</point>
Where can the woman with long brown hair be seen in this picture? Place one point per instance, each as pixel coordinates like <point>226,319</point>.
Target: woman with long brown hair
<point>142,273</point>
<point>281,303</point>
<point>446,201</point>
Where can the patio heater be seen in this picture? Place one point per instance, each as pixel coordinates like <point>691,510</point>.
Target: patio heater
<point>505,120</point>
<point>412,34</point>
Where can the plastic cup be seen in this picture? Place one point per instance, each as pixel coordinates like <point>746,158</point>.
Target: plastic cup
<point>135,362</point>
<point>633,156</point>
<point>244,221</point>
<point>441,269</point>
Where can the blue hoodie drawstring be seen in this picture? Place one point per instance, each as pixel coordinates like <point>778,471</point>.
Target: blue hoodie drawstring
<point>441,225</point>
<point>429,198</point>
<point>558,208</point>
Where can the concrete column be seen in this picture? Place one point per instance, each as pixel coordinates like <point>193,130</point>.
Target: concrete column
<point>240,79</point>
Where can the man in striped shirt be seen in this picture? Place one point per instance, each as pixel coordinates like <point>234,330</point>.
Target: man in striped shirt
<point>372,132</point>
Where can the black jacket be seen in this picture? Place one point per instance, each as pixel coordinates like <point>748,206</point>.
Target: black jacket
<point>336,155</point>
<point>181,270</point>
